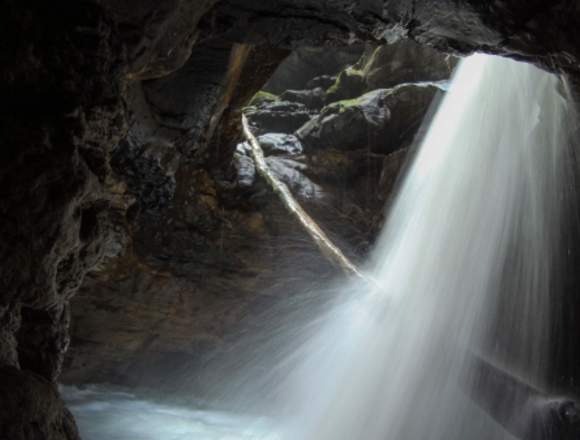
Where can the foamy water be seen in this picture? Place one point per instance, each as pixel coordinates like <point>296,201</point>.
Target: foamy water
<point>463,266</point>
<point>106,414</point>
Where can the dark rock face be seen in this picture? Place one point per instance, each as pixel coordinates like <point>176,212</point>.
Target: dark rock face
<point>159,36</point>
<point>285,23</point>
<point>308,63</point>
<point>275,144</point>
<point>390,65</point>
<point>187,240</point>
<point>279,116</point>
<point>204,268</point>
<point>539,32</point>
<point>66,141</point>
<point>186,99</point>
<point>381,120</point>
<point>322,81</point>
<point>32,409</point>
<point>535,31</point>
<point>404,62</point>
<point>313,98</point>
<point>60,79</point>
<point>43,340</point>
<point>149,171</point>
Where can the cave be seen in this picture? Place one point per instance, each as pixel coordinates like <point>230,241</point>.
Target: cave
<point>145,255</point>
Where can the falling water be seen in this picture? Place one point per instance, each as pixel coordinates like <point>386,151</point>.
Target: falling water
<point>463,267</point>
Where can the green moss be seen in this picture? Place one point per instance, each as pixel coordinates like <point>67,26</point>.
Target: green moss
<point>342,105</point>
<point>350,81</point>
<point>263,96</point>
<point>349,102</point>
<point>371,61</point>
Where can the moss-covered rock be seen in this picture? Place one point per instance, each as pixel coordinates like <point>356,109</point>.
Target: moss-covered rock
<point>312,99</point>
<point>350,82</point>
<point>262,97</point>
<point>383,120</point>
<point>278,116</point>
<point>388,65</point>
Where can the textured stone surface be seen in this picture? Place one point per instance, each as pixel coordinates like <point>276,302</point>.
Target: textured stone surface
<point>224,249</point>
<point>538,31</point>
<point>279,116</point>
<point>158,35</point>
<point>389,65</point>
<point>313,98</point>
<point>186,99</point>
<point>381,120</point>
<point>60,80</point>
<point>32,409</point>
<point>306,63</point>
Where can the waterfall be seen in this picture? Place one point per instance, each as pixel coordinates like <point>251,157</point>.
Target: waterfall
<point>463,266</point>
<point>463,270</point>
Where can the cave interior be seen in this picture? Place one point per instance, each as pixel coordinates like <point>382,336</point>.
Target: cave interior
<point>139,243</point>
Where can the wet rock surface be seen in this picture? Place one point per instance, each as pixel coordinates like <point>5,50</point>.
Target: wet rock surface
<point>381,120</point>
<point>311,98</point>
<point>539,32</point>
<point>279,116</point>
<point>311,67</point>
<point>388,66</point>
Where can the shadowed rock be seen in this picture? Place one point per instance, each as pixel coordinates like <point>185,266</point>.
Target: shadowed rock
<point>523,410</point>
<point>279,116</point>
<point>382,120</point>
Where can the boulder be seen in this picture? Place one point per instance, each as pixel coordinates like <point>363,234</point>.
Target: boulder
<point>339,166</point>
<point>277,144</point>
<point>263,97</point>
<point>292,173</point>
<point>388,65</point>
<point>273,144</point>
<point>278,116</point>
<point>382,120</point>
<point>348,84</point>
<point>313,99</point>
<point>244,168</point>
<point>404,62</point>
<point>306,63</point>
<point>324,81</point>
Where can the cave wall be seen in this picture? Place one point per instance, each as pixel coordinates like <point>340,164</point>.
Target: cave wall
<point>60,82</point>
<point>71,77</point>
<point>203,262</point>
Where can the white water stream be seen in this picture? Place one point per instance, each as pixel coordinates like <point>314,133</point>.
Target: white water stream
<point>473,222</point>
<point>463,266</point>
